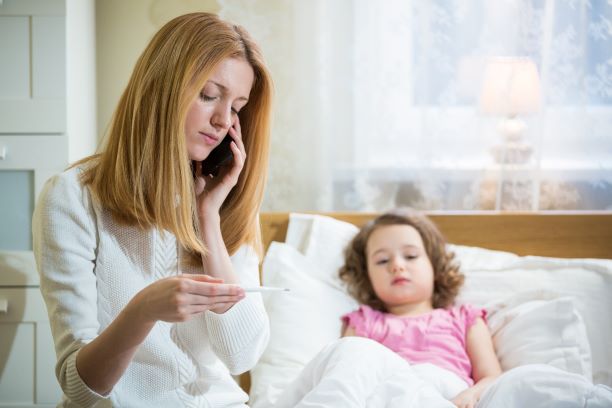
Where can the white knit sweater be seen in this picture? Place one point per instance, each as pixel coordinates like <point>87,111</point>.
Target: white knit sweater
<point>90,267</point>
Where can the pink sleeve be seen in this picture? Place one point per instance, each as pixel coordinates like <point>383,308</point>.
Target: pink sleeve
<point>360,320</point>
<point>470,313</point>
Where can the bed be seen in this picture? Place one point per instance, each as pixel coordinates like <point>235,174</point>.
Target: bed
<point>554,268</point>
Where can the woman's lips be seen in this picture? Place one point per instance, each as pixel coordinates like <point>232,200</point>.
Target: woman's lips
<point>209,139</point>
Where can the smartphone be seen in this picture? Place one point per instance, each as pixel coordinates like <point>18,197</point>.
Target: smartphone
<point>220,156</point>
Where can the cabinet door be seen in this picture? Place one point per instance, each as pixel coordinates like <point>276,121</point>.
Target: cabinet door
<point>17,354</point>
<point>28,162</point>
<point>33,68</point>
<point>27,355</point>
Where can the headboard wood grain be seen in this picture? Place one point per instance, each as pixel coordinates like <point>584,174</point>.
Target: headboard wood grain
<point>563,235</point>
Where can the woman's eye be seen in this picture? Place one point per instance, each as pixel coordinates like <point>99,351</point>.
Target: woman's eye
<point>206,98</point>
<point>235,111</point>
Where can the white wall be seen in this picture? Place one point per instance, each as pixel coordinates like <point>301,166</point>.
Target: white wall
<point>80,78</point>
<point>123,29</point>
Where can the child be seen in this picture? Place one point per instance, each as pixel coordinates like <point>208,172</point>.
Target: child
<point>398,268</point>
<point>409,346</point>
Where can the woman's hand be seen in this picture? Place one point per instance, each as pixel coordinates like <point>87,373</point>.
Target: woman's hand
<point>210,191</point>
<point>179,298</point>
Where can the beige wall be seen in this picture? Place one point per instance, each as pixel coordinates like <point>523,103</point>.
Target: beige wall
<point>123,29</point>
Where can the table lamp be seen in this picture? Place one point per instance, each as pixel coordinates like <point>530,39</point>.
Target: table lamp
<point>511,88</point>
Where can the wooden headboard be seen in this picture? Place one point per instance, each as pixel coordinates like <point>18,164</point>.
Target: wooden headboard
<point>563,235</point>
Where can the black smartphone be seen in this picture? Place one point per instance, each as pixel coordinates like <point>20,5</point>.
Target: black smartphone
<point>220,156</point>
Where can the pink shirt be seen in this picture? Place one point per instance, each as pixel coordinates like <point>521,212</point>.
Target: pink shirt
<point>438,337</point>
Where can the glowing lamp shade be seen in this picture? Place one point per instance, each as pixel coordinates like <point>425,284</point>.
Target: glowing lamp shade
<point>511,87</point>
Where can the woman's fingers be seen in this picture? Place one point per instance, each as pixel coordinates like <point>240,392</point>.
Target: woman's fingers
<point>177,298</point>
<point>202,296</point>
<point>236,168</point>
<point>202,277</point>
<point>197,309</point>
<point>240,153</point>
<point>236,134</point>
<point>211,289</point>
<point>212,301</point>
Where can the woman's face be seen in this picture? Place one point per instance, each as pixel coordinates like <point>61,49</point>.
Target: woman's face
<point>400,271</point>
<point>216,108</point>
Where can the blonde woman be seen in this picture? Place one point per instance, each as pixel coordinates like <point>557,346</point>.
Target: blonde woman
<point>142,257</point>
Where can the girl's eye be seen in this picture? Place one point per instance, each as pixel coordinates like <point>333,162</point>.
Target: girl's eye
<point>381,262</point>
<point>234,111</point>
<point>410,257</point>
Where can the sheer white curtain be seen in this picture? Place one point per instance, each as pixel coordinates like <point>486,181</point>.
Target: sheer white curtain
<point>305,47</point>
<point>378,103</point>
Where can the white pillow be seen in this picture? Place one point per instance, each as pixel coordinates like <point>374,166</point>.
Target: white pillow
<point>588,282</point>
<point>539,327</point>
<point>302,321</point>
<point>473,258</point>
<point>322,240</point>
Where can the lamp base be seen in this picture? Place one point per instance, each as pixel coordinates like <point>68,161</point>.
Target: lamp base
<point>513,150</point>
<point>512,153</point>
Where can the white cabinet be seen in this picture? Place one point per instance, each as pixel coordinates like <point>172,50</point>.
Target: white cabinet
<point>33,146</point>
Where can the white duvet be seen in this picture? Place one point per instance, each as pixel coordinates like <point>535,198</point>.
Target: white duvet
<point>358,372</point>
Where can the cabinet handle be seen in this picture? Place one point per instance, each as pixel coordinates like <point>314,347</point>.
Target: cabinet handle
<point>3,148</point>
<point>3,305</point>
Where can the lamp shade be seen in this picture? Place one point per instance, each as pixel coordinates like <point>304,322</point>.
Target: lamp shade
<point>511,86</point>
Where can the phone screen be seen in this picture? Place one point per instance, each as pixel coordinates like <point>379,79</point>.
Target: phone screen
<point>220,156</point>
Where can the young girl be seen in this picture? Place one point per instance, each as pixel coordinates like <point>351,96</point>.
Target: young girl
<point>398,268</point>
<point>409,346</point>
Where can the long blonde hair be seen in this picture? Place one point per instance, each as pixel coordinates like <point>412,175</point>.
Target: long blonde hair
<point>143,174</point>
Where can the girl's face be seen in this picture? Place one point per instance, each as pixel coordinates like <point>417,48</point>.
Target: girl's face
<point>400,270</point>
<point>216,108</point>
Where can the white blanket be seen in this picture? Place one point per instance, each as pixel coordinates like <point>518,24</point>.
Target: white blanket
<point>358,372</point>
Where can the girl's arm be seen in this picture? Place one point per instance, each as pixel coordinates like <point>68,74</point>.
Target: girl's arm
<point>348,331</point>
<point>485,365</point>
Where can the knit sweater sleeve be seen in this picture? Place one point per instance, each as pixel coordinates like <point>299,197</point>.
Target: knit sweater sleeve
<point>240,335</point>
<point>64,242</point>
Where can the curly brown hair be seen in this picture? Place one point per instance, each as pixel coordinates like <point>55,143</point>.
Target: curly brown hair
<point>447,277</point>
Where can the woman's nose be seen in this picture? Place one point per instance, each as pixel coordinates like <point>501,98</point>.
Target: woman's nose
<point>222,118</point>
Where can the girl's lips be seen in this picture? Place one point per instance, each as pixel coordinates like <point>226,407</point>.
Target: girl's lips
<point>400,281</point>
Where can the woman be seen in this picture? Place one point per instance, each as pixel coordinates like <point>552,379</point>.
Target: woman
<point>133,244</point>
